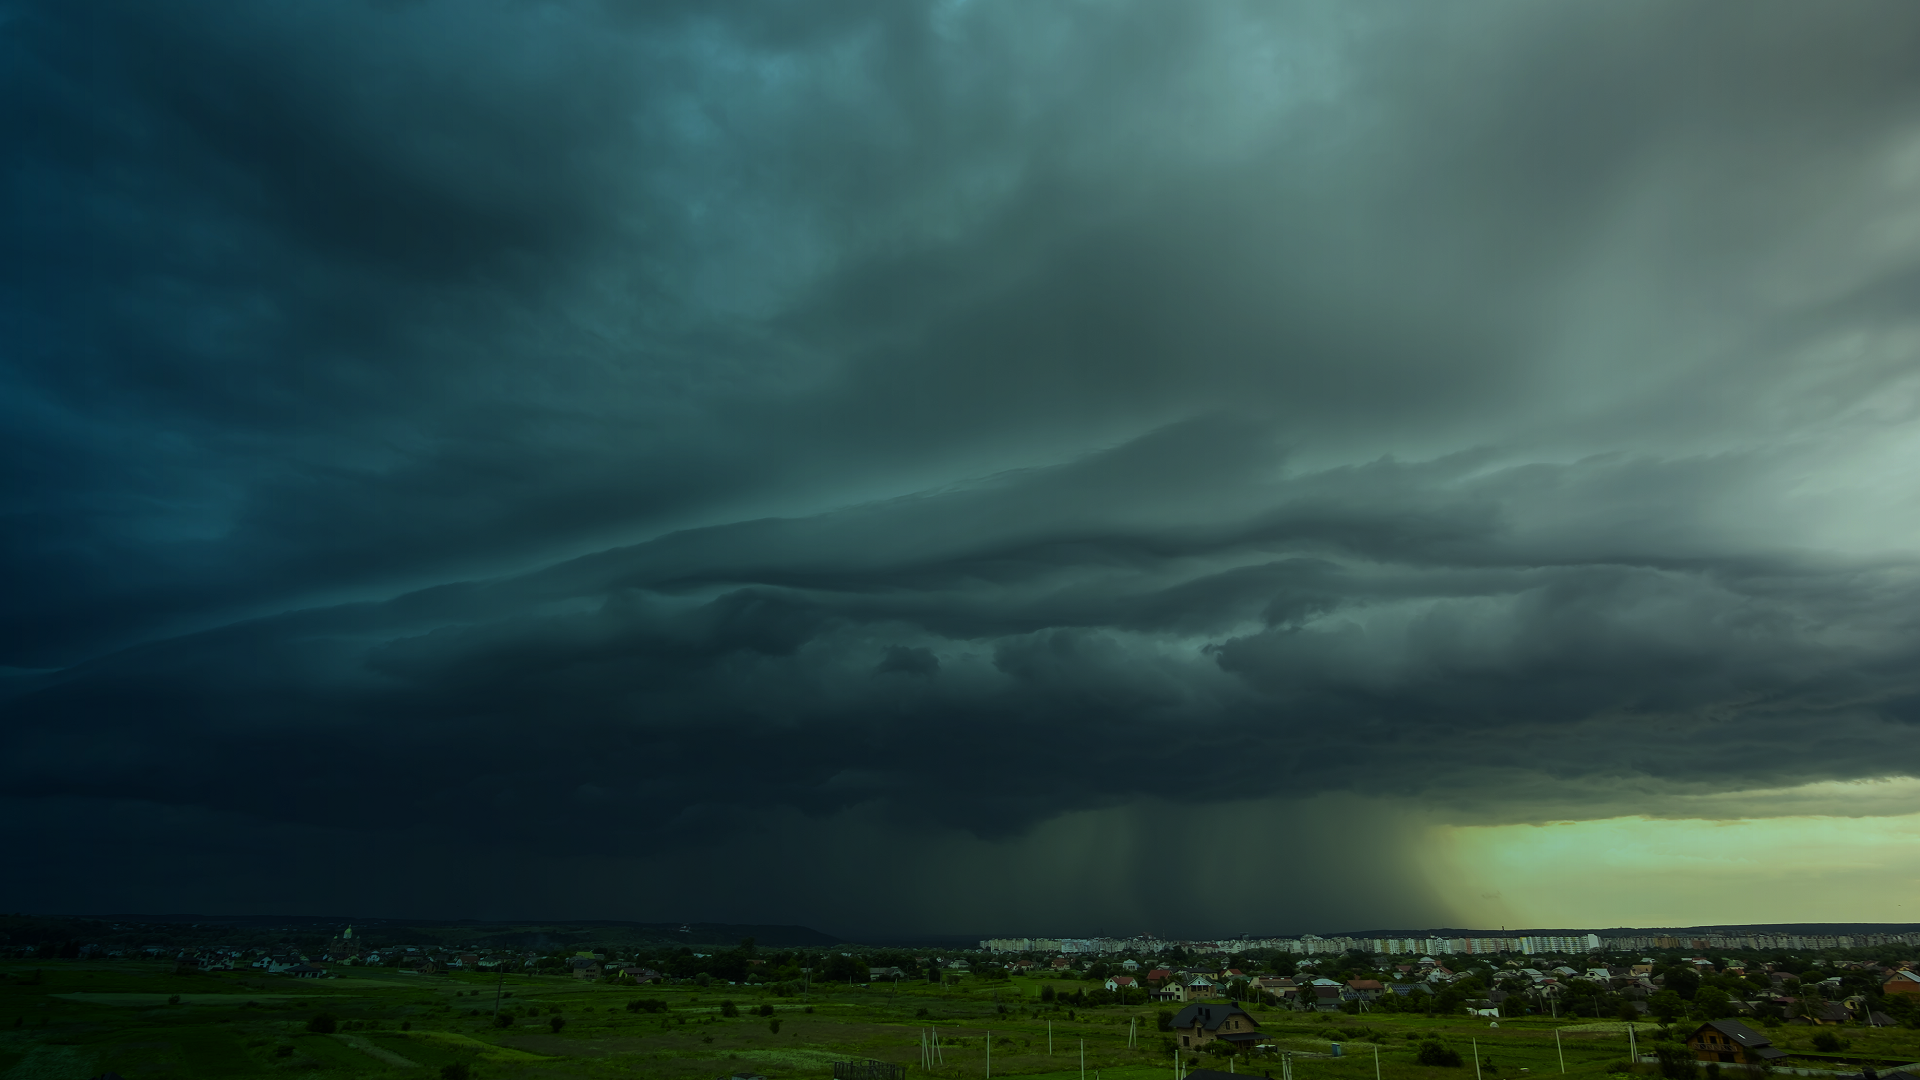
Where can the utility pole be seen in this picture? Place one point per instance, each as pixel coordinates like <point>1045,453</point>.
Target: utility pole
<point>1558,1050</point>
<point>1049,1038</point>
<point>989,1055</point>
<point>501,985</point>
<point>1633,1047</point>
<point>1376,1061</point>
<point>1476,1056</point>
<point>1083,1059</point>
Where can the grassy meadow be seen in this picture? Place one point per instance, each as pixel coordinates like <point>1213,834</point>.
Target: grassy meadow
<point>78,1019</point>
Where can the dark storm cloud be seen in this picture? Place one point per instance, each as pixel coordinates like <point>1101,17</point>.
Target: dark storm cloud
<point>621,429</point>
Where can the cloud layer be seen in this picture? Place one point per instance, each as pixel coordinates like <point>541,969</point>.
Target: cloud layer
<point>644,437</point>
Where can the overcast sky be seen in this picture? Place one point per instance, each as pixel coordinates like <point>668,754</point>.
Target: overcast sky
<point>947,467</point>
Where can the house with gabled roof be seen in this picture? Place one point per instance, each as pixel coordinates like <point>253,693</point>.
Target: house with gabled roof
<point>1365,989</point>
<point>1198,1025</point>
<point>1732,1042</point>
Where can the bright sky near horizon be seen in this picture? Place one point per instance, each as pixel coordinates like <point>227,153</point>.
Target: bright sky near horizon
<point>1855,862</point>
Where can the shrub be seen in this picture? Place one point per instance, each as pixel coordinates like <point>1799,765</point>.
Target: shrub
<point>1439,1054</point>
<point>283,1051</point>
<point>1676,1063</point>
<point>773,1026</point>
<point>729,1009</point>
<point>456,1071</point>
<point>503,1020</point>
<point>651,1005</point>
<point>174,1000</point>
<point>557,1023</point>
<point>1829,1042</point>
<point>323,1023</point>
<point>765,1010</point>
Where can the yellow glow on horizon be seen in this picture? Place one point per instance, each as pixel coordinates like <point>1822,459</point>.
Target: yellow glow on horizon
<point>1642,871</point>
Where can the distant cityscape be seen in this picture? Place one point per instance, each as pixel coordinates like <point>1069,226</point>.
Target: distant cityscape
<point>1442,945</point>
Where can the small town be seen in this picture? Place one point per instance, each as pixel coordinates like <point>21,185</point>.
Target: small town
<point>1677,1006</point>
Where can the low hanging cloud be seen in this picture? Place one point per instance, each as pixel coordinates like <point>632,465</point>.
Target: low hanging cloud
<point>984,661</point>
<point>623,436</point>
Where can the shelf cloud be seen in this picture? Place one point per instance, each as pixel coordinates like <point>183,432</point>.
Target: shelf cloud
<point>1021,459</point>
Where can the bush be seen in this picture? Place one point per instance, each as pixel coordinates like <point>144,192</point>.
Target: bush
<point>1829,1042</point>
<point>729,1009</point>
<point>1166,1019</point>
<point>773,1026</point>
<point>502,1020</point>
<point>649,1005</point>
<point>1438,1054</point>
<point>456,1071</point>
<point>174,1000</point>
<point>1676,1063</point>
<point>323,1023</point>
<point>557,1023</point>
<point>765,1010</point>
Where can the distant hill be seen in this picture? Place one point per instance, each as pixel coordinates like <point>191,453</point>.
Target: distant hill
<point>530,933</point>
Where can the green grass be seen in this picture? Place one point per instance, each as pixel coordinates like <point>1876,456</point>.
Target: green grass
<point>85,1017</point>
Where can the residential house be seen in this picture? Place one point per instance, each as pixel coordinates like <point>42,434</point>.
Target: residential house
<point>1366,989</point>
<point>585,967</point>
<point>304,971</point>
<point>1199,986</point>
<point>1732,1042</point>
<point>1120,982</point>
<point>1828,1014</point>
<point>1198,1025</point>
<point>1130,966</point>
<point>1159,975</point>
<point>1901,982</point>
<point>1274,986</point>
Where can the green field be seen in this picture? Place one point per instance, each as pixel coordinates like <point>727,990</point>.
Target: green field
<point>70,1020</point>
